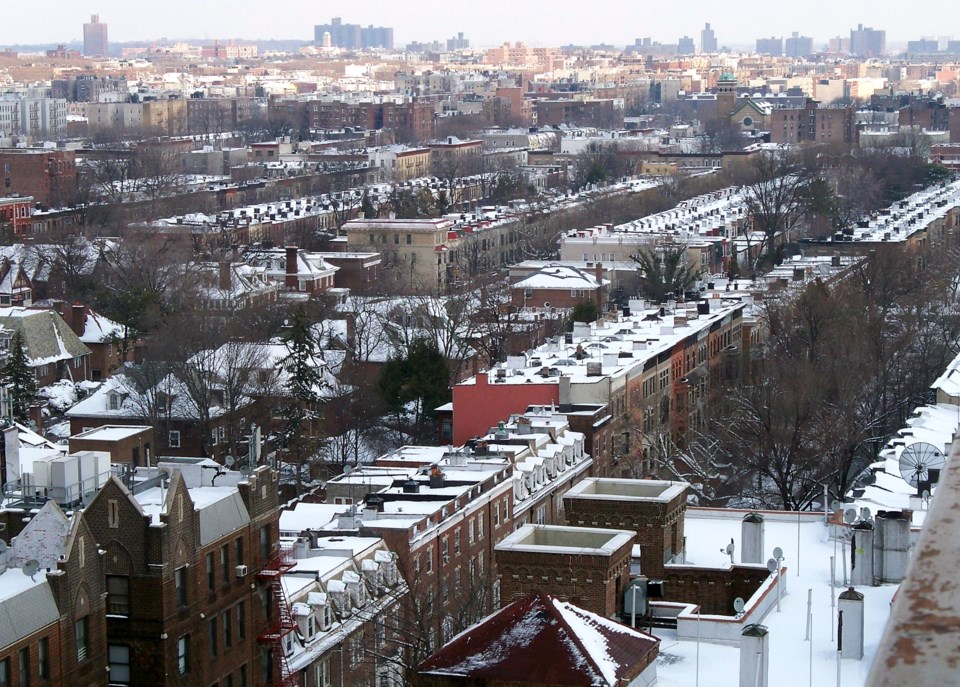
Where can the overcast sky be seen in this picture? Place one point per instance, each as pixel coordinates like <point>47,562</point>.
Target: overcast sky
<point>485,22</point>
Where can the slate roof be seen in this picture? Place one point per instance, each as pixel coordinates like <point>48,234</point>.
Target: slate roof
<point>542,640</point>
<point>46,337</point>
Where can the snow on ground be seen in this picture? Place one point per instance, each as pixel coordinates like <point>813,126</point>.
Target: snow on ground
<point>707,532</point>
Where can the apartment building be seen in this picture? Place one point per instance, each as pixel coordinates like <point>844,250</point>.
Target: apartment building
<point>420,253</point>
<point>655,369</point>
<point>813,124</point>
<point>190,563</point>
<point>50,176</point>
<point>52,599</point>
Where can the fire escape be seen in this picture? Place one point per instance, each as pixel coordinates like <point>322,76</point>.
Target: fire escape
<point>281,622</point>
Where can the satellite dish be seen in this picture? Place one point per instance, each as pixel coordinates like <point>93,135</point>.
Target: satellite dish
<point>730,548</point>
<point>347,469</point>
<point>3,546</point>
<point>917,461</point>
<point>738,605</point>
<point>778,553</point>
<point>772,565</point>
<point>31,568</point>
<point>850,516</point>
<point>229,460</point>
<point>865,514</point>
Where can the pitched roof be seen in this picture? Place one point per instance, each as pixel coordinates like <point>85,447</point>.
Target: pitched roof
<point>542,640</point>
<point>46,337</point>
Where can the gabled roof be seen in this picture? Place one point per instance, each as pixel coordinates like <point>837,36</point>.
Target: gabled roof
<point>46,337</point>
<point>560,277</point>
<point>542,640</point>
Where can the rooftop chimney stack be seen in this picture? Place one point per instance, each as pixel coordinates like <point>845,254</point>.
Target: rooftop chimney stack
<point>754,656</point>
<point>751,533</point>
<point>78,318</point>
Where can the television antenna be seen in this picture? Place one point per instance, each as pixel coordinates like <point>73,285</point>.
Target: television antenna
<point>920,465</point>
<point>31,568</point>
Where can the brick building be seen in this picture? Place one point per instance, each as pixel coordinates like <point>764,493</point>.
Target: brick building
<point>15,212</point>
<point>414,119</point>
<point>49,176</point>
<point>653,509</point>
<point>589,567</point>
<point>52,590</point>
<point>186,591</point>
<point>604,114</point>
<point>813,124</point>
<point>563,287</point>
<point>559,647</point>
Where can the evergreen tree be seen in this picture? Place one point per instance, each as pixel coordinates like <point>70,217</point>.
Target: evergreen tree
<point>666,275</point>
<point>414,384</point>
<point>304,387</point>
<point>18,377</point>
<point>366,207</point>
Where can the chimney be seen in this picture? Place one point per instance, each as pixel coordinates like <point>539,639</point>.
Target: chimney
<point>754,656</point>
<point>850,622</point>
<point>78,318</point>
<point>861,545</point>
<point>291,263</point>
<point>598,273</point>
<point>226,279</point>
<point>751,537</point>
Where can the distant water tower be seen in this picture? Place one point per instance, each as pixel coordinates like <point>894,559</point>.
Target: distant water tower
<point>327,41</point>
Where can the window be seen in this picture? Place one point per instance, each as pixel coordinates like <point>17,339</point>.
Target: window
<point>445,547</point>
<point>241,620</point>
<point>265,542</point>
<point>479,526</point>
<point>470,531</point>
<point>429,559</point>
<point>321,673</point>
<point>173,440</point>
<point>212,631</point>
<point>225,564</point>
<point>119,657</point>
<point>456,542</point>
<point>239,551</point>
<point>5,673</point>
<point>118,595</point>
<point>211,577</point>
<point>23,659</point>
<point>113,513</point>
<point>356,649</point>
<point>43,658</point>
<point>80,628</point>
<point>227,629</point>
<point>183,656</point>
<point>213,437</point>
<point>496,515</point>
<point>180,581</point>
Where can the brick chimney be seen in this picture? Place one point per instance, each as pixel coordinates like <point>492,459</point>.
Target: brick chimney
<point>226,276</point>
<point>78,318</point>
<point>598,273</point>
<point>291,268</point>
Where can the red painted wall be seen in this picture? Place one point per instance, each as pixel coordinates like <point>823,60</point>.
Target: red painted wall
<point>478,407</point>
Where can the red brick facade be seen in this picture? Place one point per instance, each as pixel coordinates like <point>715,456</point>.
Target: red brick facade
<point>50,176</point>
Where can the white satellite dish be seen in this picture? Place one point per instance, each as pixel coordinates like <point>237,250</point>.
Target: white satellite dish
<point>865,514</point>
<point>850,516</point>
<point>917,461</point>
<point>347,469</point>
<point>31,568</point>
<point>729,548</point>
<point>229,460</point>
<point>3,546</point>
<point>778,553</point>
<point>738,605</point>
<point>772,565</point>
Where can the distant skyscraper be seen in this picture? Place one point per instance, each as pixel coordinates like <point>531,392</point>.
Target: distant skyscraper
<point>708,40</point>
<point>867,42</point>
<point>95,37</point>
<point>354,36</point>
<point>458,42</point>
<point>770,46</point>
<point>924,46</point>
<point>685,46</point>
<point>798,46</point>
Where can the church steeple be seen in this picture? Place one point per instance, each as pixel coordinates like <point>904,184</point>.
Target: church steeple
<point>726,94</point>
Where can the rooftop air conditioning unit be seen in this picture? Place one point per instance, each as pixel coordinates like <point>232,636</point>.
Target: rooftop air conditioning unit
<point>242,571</point>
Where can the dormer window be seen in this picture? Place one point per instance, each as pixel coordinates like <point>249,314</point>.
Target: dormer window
<point>113,401</point>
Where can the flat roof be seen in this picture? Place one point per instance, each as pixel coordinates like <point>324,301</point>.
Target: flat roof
<point>588,541</point>
<point>626,490</point>
<point>112,432</point>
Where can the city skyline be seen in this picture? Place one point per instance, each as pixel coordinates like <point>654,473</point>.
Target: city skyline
<point>617,22</point>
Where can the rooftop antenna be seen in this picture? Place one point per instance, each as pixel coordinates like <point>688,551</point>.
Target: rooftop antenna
<point>920,465</point>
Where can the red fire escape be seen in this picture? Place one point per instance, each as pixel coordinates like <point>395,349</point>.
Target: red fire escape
<point>281,622</point>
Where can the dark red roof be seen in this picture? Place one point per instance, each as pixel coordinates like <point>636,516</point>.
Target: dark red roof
<point>540,639</point>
